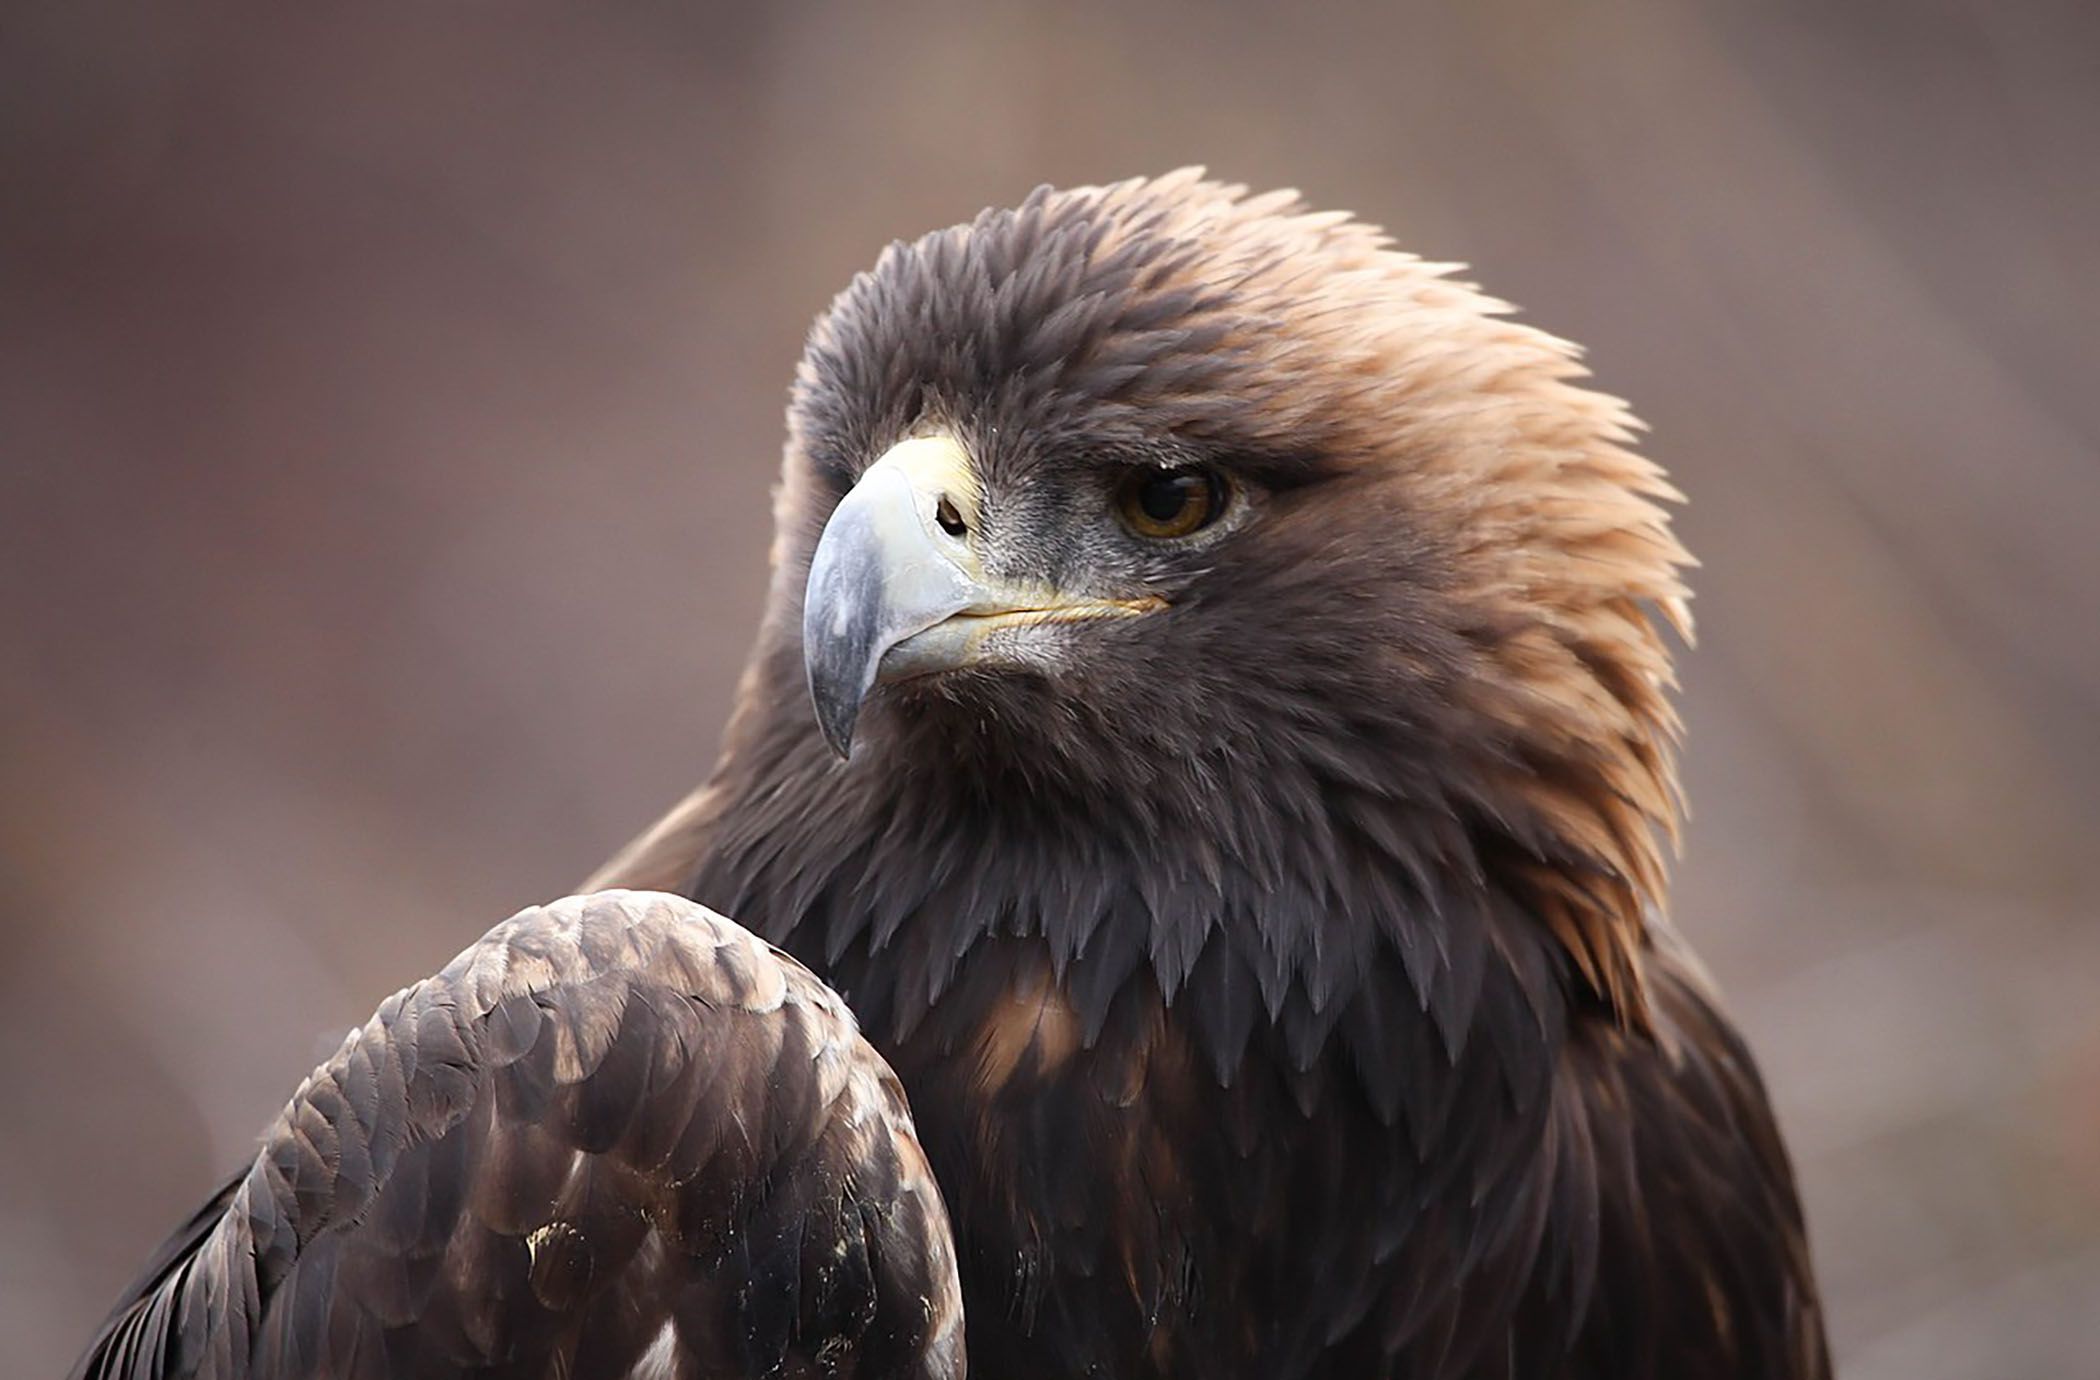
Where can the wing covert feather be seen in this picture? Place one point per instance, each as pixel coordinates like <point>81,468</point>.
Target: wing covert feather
<point>618,1136</point>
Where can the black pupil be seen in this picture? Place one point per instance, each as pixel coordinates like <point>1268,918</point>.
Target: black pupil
<point>1169,496</point>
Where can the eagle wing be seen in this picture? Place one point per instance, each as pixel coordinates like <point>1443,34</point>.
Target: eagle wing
<point>1675,1180</point>
<point>618,1136</point>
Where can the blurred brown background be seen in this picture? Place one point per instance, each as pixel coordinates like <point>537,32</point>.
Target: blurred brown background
<point>388,405</point>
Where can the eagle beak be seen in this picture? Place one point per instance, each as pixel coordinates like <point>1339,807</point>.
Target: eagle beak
<point>894,561</point>
<point>896,589</point>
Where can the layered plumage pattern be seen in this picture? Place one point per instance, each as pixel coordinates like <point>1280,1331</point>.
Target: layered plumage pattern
<point>1265,913</point>
<point>1281,978</point>
<point>618,1136</point>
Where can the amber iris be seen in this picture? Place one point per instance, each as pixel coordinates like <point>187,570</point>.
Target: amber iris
<point>1170,503</point>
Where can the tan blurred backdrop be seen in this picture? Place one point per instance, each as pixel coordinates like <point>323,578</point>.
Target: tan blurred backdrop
<point>388,405</point>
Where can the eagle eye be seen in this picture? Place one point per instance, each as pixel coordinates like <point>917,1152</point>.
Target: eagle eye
<point>1170,503</point>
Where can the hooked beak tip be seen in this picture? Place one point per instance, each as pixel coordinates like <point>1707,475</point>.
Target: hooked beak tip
<point>836,700</point>
<point>837,736</point>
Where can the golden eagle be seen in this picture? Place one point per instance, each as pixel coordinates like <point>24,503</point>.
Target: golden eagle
<point>1212,727</point>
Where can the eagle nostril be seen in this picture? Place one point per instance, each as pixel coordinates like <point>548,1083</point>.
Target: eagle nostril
<point>950,520</point>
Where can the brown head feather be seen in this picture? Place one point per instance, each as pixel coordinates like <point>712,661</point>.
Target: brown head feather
<point>1536,552</point>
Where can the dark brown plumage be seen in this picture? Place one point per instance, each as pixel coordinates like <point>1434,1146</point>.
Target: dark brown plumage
<point>618,1136</point>
<point>1210,722</point>
<point>1278,972</point>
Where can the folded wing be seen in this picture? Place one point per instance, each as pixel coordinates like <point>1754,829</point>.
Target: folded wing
<point>619,1136</point>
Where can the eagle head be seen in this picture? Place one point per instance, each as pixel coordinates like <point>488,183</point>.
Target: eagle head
<point>1165,493</point>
